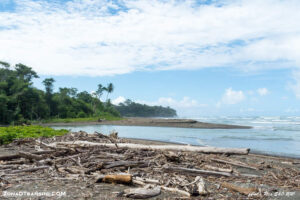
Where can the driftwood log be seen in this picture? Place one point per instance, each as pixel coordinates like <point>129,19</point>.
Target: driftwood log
<point>241,151</point>
<point>114,178</point>
<point>141,193</point>
<point>242,190</point>
<point>196,171</point>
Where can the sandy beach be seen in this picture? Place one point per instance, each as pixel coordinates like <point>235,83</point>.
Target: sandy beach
<point>156,122</point>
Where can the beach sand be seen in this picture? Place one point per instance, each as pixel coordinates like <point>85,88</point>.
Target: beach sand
<point>139,121</point>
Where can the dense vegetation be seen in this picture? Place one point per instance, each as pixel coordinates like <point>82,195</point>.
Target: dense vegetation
<point>20,102</point>
<point>132,109</point>
<point>8,134</point>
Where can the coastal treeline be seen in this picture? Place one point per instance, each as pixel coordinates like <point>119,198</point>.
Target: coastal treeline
<point>20,101</point>
<point>132,109</point>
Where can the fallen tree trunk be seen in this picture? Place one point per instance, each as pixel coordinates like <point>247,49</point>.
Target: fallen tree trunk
<point>30,156</point>
<point>218,169</point>
<point>196,171</point>
<point>242,190</point>
<point>79,143</point>
<point>185,193</point>
<point>16,156</point>
<point>29,170</point>
<point>233,163</point>
<point>141,193</point>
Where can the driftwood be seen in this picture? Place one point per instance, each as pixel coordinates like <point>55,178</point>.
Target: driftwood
<point>123,163</point>
<point>146,180</point>
<point>29,170</point>
<point>218,169</point>
<point>201,186</point>
<point>242,190</point>
<point>179,169</point>
<point>238,164</point>
<point>196,171</point>
<point>30,156</point>
<point>176,190</point>
<point>141,193</point>
<point>16,156</point>
<point>114,178</point>
<point>158,147</point>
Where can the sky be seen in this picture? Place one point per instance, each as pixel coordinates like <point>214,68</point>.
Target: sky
<point>201,57</point>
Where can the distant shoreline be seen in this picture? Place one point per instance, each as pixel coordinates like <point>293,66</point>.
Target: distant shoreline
<point>153,122</point>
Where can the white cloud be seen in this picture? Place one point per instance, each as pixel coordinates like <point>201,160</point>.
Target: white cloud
<point>118,100</point>
<point>83,37</point>
<point>232,97</point>
<point>262,91</point>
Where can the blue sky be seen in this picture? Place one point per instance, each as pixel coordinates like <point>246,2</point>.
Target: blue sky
<point>232,57</point>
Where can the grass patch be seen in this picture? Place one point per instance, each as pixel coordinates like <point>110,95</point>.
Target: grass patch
<point>105,116</point>
<point>8,134</point>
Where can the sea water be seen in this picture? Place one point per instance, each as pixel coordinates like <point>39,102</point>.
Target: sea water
<point>269,135</point>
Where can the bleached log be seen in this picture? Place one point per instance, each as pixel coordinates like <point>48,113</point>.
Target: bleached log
<point>201,187</point>
<point>196,171</point>
<point>141,193</point>
<point>216,150</point>
<point>185,193</point>
<point>218,169</point>
<point>242,190</point>
<point>147,180</point>
<point>29,169</point>
<point>234,163</point>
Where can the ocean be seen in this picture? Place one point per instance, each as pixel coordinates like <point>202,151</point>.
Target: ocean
<point>269,135</point>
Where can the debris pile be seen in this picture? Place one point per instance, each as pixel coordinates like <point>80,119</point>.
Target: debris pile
<point>179,171</point>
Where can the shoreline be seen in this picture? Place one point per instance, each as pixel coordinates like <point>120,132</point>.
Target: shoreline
<point>252,152</point>
<point>153,122</point>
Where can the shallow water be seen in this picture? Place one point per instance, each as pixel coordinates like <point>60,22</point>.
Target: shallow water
<point>270,135</point>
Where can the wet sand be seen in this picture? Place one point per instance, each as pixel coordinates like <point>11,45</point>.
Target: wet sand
<point>137,121</point>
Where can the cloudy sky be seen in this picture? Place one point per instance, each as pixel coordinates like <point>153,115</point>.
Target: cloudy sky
<point>205,57</point>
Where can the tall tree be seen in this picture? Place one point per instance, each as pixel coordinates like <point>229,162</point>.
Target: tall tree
<point>100,90</point>
<point>109,89</point>
<point>48,83</point>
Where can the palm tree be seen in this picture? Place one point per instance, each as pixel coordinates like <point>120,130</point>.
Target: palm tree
<point>100,90</point>
<point>109,89</point>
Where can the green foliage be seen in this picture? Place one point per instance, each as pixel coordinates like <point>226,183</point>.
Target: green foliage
<point>8,134</point>
<point>21,103</point>
<point>103,116</point>
<point>132,109</point>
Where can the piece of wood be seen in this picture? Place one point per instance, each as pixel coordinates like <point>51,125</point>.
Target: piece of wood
<point>147,180</point>
<point>218,169</point>
<point>115,178</point>
<point>30,156</point>
<point>201,186</point>
<point>176,190</point>
<point>29,169</point>
<point>79,143</point>
<point>234,163</point>
<point>122,163</point>
<point>242,190</point>
<point>196,171</point>
<point>141,193</point>
<point>16,156</point>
